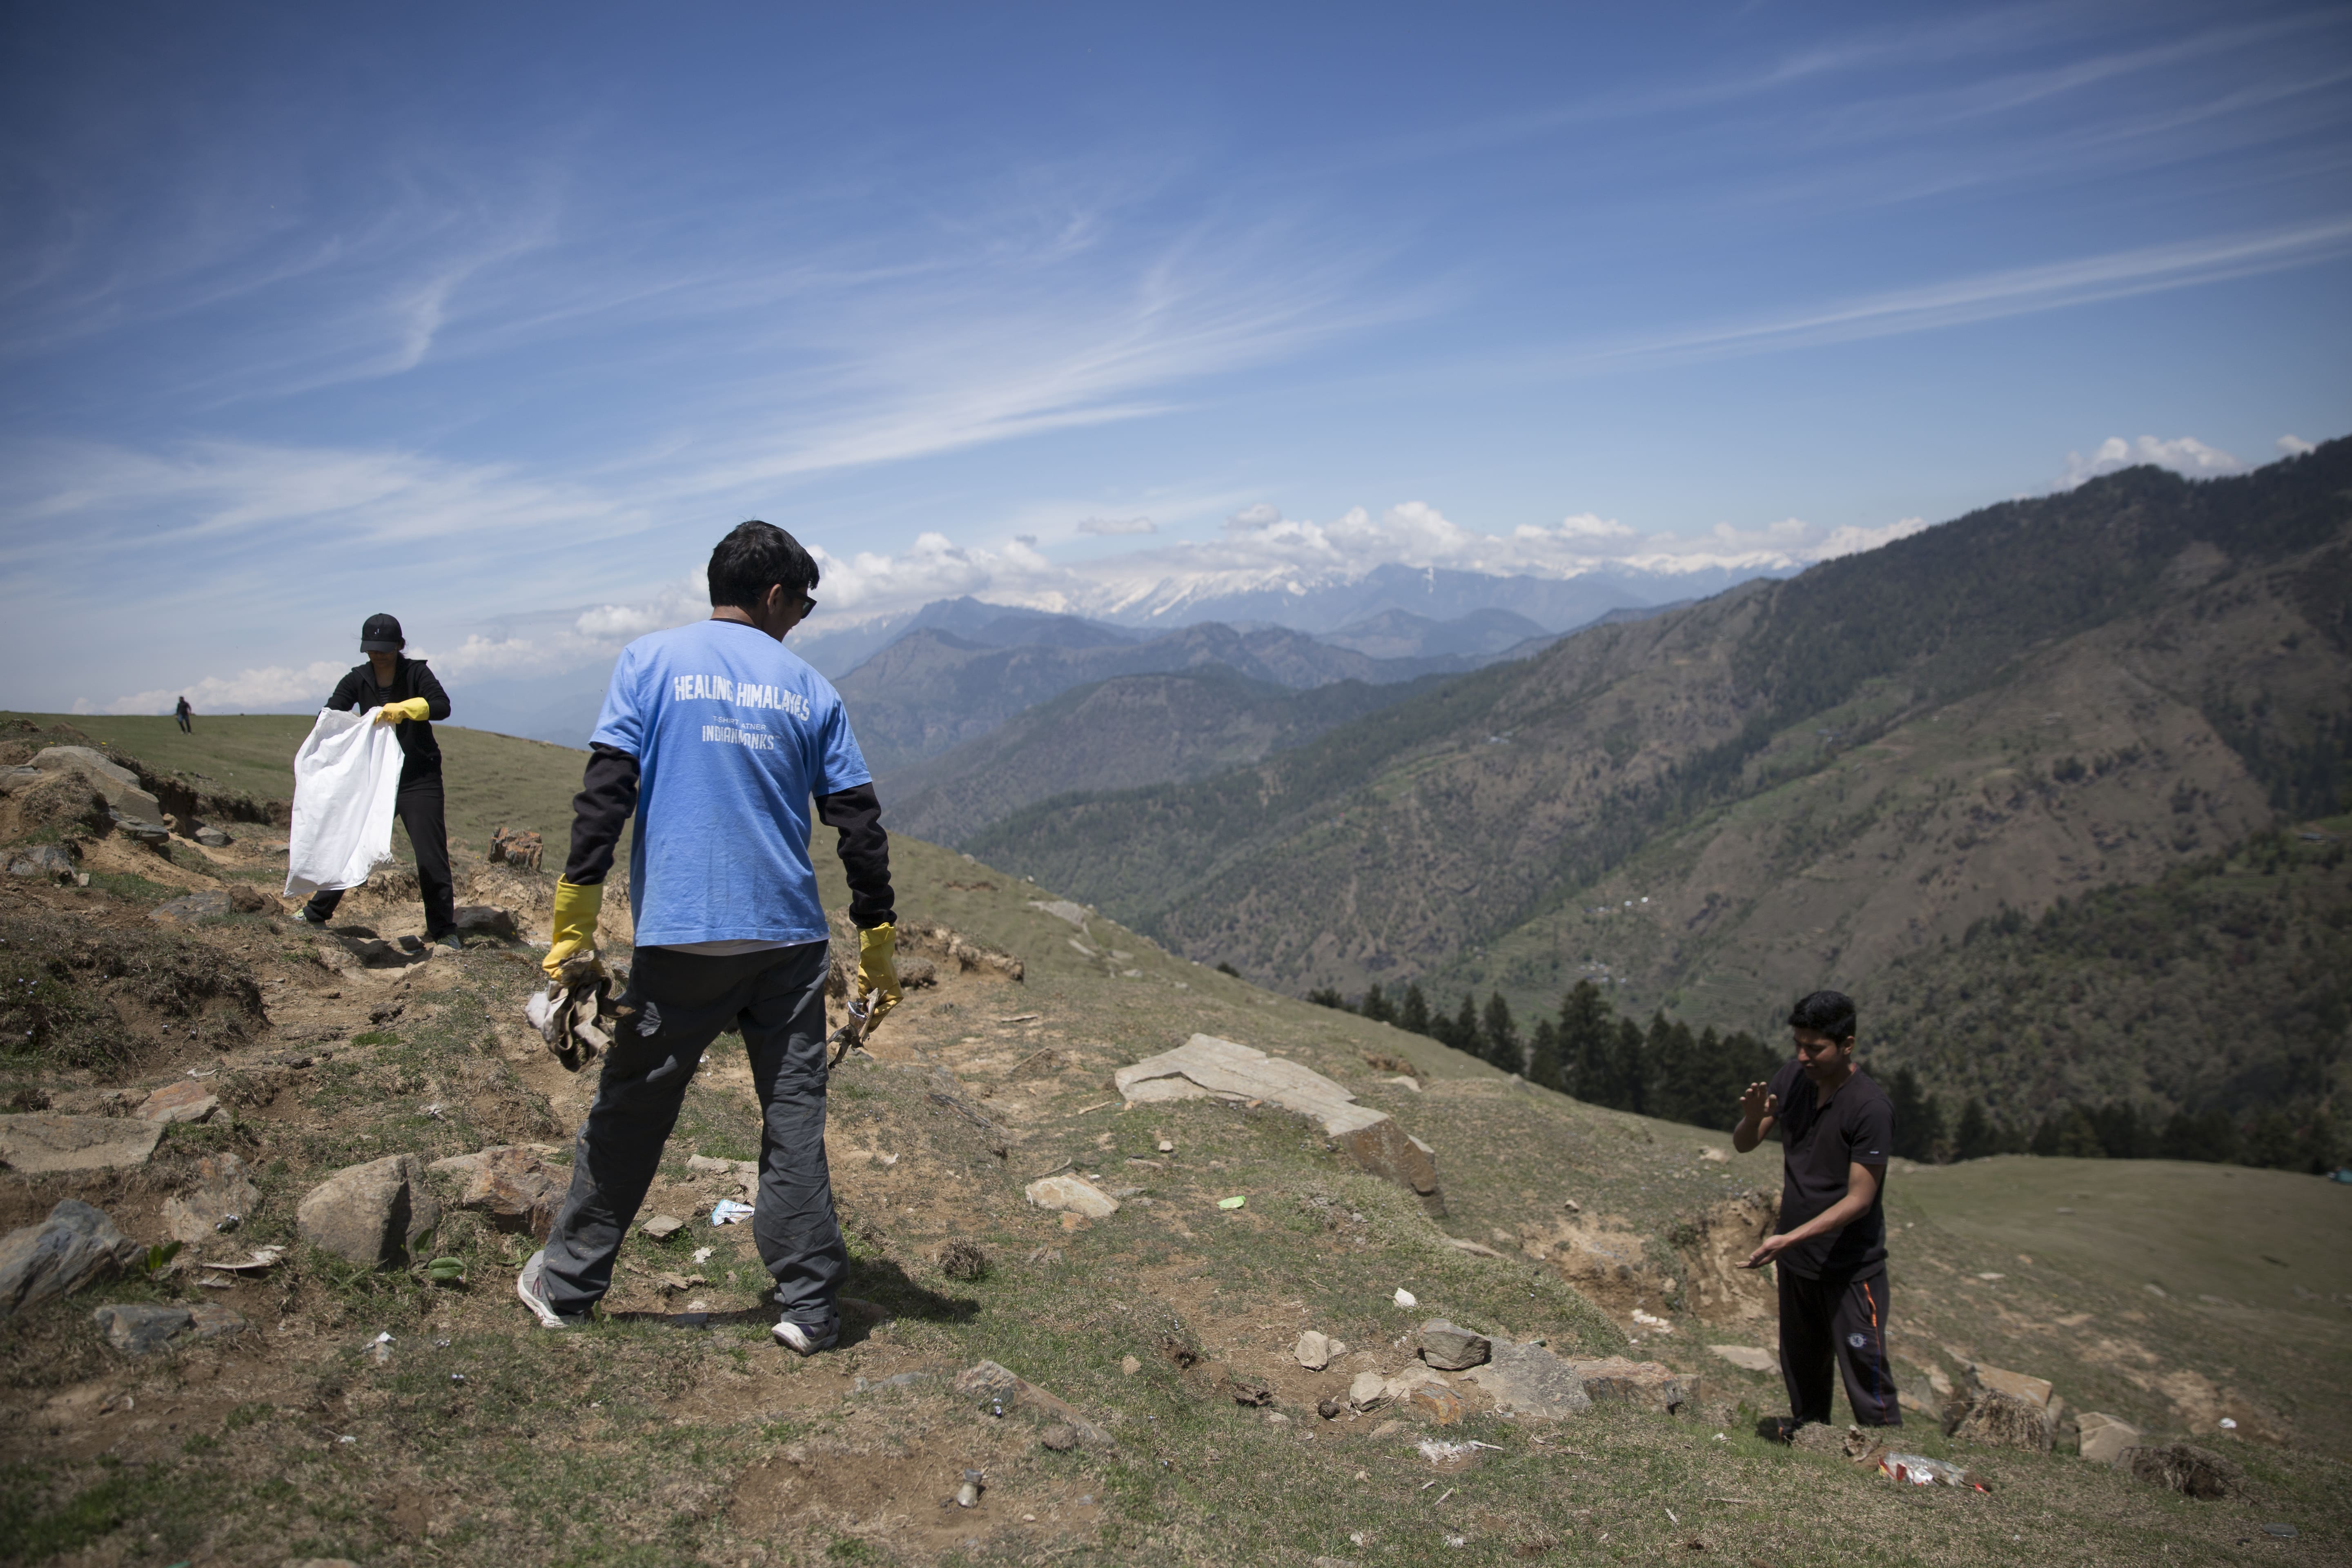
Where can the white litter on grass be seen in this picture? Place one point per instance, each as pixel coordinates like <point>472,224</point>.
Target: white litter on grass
<point>702,1255</point>
<point>1405,1298</point>
<point>727,1211</point>
<point>1660,1324</point>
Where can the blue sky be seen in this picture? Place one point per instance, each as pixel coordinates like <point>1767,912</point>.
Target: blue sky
<point>496,317</point>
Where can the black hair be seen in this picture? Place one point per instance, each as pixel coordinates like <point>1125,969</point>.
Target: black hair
<point>753,557</point>
<point>1829,1013</point>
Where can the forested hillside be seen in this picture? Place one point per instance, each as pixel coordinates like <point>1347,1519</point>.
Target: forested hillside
<point>1793,784</point>
<point>1115,734</point>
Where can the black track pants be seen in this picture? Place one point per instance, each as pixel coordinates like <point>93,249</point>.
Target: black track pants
<point>1840,1321</point>
<point>419,806</point>
<point>675,1006</point>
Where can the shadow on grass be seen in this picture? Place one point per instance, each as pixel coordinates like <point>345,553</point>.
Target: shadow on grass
<point>877,1293</point>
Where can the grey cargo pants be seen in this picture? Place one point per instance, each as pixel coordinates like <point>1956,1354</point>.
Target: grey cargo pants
<point>675,1006</point>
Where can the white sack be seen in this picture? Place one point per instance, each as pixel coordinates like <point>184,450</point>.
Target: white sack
<point>346,782</point>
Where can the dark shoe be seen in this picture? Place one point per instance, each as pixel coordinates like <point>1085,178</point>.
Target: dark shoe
<point>303,916</point>
<point>1780,1429</point>
<point>449,940</point>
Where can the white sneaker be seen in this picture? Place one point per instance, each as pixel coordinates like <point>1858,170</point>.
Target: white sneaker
<point>532,1285</point>
<point>796,1337</point>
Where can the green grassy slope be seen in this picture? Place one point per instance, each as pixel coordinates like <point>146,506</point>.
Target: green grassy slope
<point>491,779</point>
<point>479,1439</point>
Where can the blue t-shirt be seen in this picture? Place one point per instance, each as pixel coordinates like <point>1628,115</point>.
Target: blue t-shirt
<point>732,734</point>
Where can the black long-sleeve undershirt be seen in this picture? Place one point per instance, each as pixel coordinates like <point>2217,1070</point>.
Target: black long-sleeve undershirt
<point>608,796</point>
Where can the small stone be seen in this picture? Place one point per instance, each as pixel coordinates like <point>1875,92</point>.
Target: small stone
<point>1405,1298</point>
<point>1748,1357</point>
<point>1061,1437</point>
<point>212,837</point>
<point>209,905</point>
<point>1330,1407</point>
<point>1072,1194</point>
<point>1368,1392</point>
<point>1312,1352</point>
<point>1451,1349</point>
<point>662,1227</point>
<point>50,862</point>
<point>182,1100</point>
<point>486,920</point>
<point>141,1328</point>
<point>1166,1147</point>
<point>1436,1402</point>
<point>75,1244</point>
<point>1130,1365</point>
<point>2103,1438</point>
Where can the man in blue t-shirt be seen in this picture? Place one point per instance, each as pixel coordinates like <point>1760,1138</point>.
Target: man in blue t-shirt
<point>718,739</point>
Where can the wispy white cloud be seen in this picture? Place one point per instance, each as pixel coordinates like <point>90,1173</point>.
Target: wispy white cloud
<point>1989,296</point>
<point>1117,525</point>
<point>2184,455</point>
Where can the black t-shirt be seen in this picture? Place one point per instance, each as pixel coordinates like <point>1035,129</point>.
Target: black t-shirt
<point>1818,1144</point>
<point>420,752</point>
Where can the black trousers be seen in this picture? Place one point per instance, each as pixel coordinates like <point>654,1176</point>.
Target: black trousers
<point>419,806</point>
<point>1836,1321</point>
<point>675,1006</point>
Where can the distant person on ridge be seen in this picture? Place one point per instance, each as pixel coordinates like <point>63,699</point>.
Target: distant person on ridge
<point>1836,1128</point>
<point>405,693</point>
<point>717,737</point>
<point>181,714</point>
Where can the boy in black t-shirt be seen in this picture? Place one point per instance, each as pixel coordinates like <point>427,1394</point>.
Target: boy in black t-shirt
<point>1836,1128</point>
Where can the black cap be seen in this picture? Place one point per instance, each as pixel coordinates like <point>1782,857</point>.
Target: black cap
<point>382,635</point>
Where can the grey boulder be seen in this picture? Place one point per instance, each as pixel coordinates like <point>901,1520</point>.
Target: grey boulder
<point>50,862</point>
<point>486,919</point>
<point>117,783</point>
<point>1451,1349</point>
<point>75,1244</point>
<point>369,1216</point>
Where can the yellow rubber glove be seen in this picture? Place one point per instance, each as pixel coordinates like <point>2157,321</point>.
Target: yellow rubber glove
<point>394,713</point>
<point>877,969</point>
<point>577,910</point>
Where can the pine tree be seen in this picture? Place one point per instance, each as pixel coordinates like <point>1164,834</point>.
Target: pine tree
<point>1466,1034</point>
<point>1328,996</point>
<point>1912,1138</point>
<point>1676,1091</point>
<point>1629,1070</point>
<point>1414,1016</point>
<point>1977,1136</point>
<point>1500,1035</point>
<point>1586,1030</point>
<point>1375,1006</point>
<point>1544,1065</point>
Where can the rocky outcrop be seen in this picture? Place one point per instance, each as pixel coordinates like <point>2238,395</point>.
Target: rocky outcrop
<point>141,1328</point>
<point>515,1184</point>
<point>43,1144</point>
<point>369,1216</point>
<point>221,1200</point>
<point>1207,1067</point>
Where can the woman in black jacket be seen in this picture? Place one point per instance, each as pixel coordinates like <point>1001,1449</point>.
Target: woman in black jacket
<point>407,694</point>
